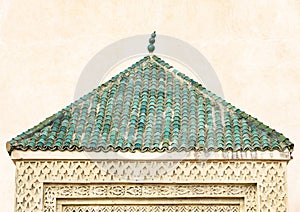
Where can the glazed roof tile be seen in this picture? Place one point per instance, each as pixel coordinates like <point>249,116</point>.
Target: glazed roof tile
<point>150,107</point>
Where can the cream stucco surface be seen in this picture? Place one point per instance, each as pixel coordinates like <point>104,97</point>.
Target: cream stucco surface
<point>253,46</point>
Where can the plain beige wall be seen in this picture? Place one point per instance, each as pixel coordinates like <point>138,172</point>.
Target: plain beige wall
<point>254,47</point>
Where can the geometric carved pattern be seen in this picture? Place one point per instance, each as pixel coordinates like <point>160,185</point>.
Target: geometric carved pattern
<point>169,208</point>
<point>154,190</point>
<point>145,190</point>
<point>268,176</point>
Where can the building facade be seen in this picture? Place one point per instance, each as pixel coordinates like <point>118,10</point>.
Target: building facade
<point>150,139</point>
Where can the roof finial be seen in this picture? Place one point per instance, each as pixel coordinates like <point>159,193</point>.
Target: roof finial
<point>151,46</point>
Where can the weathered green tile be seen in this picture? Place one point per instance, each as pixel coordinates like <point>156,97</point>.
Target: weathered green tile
<point>149,107</point>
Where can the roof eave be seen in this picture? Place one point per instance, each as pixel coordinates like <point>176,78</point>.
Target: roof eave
<point>175,156</point>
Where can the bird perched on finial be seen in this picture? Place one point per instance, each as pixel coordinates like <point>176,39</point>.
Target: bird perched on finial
<point>151,46</point>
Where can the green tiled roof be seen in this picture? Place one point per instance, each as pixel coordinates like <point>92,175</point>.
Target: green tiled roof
<point>150,107</point>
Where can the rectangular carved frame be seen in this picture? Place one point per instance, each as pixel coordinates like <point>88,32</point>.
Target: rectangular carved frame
<point>53,192</point>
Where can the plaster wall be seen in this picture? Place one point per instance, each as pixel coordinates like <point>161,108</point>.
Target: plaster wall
<point>66,185</point>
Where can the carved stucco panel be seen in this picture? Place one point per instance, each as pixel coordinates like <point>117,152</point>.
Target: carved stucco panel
<point>161,208</point>
<point>270,177</point>
<point>54,192</point>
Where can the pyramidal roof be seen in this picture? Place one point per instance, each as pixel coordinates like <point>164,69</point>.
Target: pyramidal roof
<point>150,107</point>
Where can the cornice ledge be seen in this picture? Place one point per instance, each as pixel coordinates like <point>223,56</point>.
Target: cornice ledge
<point>172,156</point>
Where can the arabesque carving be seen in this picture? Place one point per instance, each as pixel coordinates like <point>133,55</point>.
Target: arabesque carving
<point>158,208</point>
<point>263,181</point>
<point>153,190</point>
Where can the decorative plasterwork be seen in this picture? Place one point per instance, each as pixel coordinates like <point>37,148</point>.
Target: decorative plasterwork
<point>54,192</point>
<point>158,208</point>
<point>268,176</point>
<point>153,204</point>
